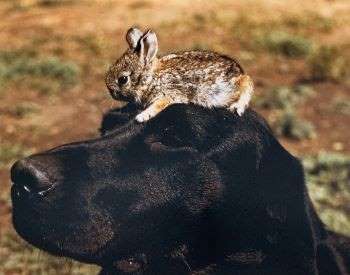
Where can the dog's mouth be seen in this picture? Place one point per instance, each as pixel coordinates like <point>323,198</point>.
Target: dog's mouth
<point>126,265</point>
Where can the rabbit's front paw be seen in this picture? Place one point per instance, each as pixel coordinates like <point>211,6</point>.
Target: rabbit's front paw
<point>142,117</point>
<point>145,115</point>
<point>238,107</point>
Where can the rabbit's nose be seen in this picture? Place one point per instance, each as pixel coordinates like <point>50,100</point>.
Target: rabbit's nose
<point>113,94</point>
<point>117,95</point>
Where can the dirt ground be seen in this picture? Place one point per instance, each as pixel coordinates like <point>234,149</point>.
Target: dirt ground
<point>90,35</point>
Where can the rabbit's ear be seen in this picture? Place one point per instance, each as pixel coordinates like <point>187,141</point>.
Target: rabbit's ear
<point>132,37</point>
<point>148,46</point>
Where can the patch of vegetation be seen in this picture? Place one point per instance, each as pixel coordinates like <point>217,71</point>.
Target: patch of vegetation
<point>328,63</point>
<point>140,4</point>
<point>244,28</point>
<point>247,56</point>
<point>200,46</point>
<point>11,152</point>
<point>91,43</point>
<point>47,87</point>
<point>23,109</point>
<point>16,257</point>
<point>289,125</point>
<point>341,105</point>
<point>24,67</point>
<point>285,35</point>
<point>311,21</point>
<point>5,203</point>
<point>328,178</point>
<point>202,21</point>
<point>54,2</point>
<point>284,97</point>
<point>22,5</point>
<point>284,43</point>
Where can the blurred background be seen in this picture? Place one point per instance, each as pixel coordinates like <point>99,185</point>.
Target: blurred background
<point>54,54</point>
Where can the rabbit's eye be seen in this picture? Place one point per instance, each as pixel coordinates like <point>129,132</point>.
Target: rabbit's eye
<point>123,80</point>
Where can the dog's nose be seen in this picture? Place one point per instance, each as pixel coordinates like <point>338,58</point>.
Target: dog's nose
<point>29,177</point>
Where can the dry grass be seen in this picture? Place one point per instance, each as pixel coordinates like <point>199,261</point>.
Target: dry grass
<point>284,43</point>
<point>17,257</point>
<point>328,175</point>
<point>46,75</point>
<point>329,63</point>
<point>63,48</point>
<point>289,125</point>
<point>9,152</point>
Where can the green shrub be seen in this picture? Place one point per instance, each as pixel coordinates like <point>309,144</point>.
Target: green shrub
<point>54,2</point>
<point>290,126</point>
<point>284,43</point>
<point>23,109</point>
<point>284,97</point>
<point>336,163</point>
<point>47,87</point>
<point>200,46</point>
<point>341,105</point>
<point>21,5</point>
<point>11,152</point>
<point>202,20</point>
<point>15,65</point>
<point>328,177</point>
<point>311,21</point>
<point>328,63</point>
<point>92,43</point>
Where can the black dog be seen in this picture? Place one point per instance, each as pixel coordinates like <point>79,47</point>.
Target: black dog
<point>192,191</point>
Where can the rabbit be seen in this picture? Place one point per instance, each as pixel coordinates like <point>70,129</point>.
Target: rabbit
<point>200,77</point>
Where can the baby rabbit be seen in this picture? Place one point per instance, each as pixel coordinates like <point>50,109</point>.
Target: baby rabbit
<point>199,77</point>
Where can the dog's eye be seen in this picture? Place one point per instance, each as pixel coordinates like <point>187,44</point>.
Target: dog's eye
<point>123,80</point>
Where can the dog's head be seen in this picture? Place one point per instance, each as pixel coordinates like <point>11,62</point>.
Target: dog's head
<point>141,189</point>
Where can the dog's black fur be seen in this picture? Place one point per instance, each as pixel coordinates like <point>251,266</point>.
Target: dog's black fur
<point>192,191</point>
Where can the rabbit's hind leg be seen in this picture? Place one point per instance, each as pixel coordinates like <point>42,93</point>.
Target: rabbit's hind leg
<point>242,95</point>
<point>155,108</point>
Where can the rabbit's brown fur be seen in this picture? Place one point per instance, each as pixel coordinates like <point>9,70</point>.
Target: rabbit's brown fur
<point>200,77</point>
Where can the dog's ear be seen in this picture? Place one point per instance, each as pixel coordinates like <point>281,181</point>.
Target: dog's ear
<point>160,144</point>
<point>183,125</point>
